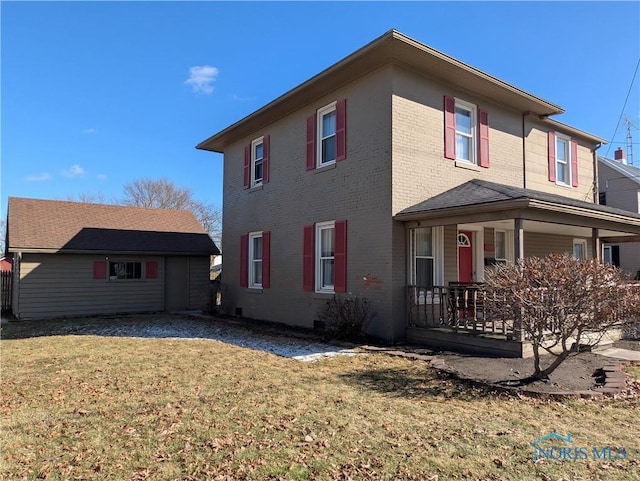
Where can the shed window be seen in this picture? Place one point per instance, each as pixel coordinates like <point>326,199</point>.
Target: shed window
<point>125,270</point>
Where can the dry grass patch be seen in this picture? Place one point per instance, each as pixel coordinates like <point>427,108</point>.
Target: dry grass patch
<point>90,407</point>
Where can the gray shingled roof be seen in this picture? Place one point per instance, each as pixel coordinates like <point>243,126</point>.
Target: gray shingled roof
<point>475,192</point>
<point>37,224</point>
<point>629,171</point>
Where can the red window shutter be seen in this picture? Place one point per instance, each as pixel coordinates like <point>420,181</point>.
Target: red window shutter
<point>574,163</point>
<point>244,260</point>
<point>341,130</point>
<point>247,166</point>
<point>152,270</point>
<point>266,146</point>
<point>340,253</point>
<point>551,152</point>
<point>449,127</point>
<point>266,259</point>
<point>308,258</point>
<point>483,117</point>
<point>311,142</point>
<point>99,269</point>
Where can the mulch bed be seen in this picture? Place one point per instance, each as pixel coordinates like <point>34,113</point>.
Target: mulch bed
<point>580,373</point>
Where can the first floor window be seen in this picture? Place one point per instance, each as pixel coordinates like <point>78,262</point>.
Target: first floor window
<point>255,259</point>
<point>325,256</point>
<point>503,240</point>
<point>580,248</point>
<point>125,270</point>
<point>425,246</point>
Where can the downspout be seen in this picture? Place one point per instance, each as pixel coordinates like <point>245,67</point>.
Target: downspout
<point>524,150</point>
<point>595,235</point>
<point>596,183</point>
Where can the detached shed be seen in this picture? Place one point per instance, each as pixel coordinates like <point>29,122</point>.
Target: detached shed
<point>74,259</point>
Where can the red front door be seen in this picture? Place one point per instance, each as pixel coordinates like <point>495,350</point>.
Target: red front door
<point>465,256</point>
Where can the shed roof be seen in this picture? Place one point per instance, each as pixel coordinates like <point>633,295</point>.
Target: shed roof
<point>38,225</point>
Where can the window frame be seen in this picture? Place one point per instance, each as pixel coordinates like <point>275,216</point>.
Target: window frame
<point>319,287</point>
<point>320,114</point>
<point>583,244</point>
<point>473,136</point>
<point>567,162</point>
<point>254,161</point>
<point>117,278</point>
<point>437,255</point>
<point>508,246</point>
<point>252,261</point>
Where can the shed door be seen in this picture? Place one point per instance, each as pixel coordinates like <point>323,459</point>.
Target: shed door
<point>177,284</point>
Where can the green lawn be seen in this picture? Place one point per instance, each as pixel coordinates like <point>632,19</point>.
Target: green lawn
<point>92,407</point>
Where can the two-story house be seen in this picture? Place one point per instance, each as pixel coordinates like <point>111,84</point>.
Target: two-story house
<point>619,186</point>
<point>398,174</point>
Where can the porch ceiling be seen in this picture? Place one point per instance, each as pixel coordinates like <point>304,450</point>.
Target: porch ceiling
<point>479,201</point>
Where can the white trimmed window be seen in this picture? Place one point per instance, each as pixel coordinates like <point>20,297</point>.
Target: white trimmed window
<point>503,243</point>
<point>325,256</point>
<point>326,135</point>
<point>466,131</point>
<point>257,158</point>
<point>563,159</point>
<point>426,268</point>
<point>580,248</point>
<point>125,270</point>
<point>255,259</point>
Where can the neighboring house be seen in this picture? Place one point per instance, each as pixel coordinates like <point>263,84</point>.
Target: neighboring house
<point>6,264</point>
<point>73,259</point>
<point>398,174</point>
<point>619,185</point>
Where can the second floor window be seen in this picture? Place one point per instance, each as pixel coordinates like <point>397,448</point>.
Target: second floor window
<point>563,166</point>
<point>257,157</point>
<point>327,135</point>
<point>465,132</point>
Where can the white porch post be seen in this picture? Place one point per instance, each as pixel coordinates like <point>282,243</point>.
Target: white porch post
<point>597,250</point>
<point>518,250</point>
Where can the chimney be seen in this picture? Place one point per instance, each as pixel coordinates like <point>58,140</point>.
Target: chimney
<point>619,155</point>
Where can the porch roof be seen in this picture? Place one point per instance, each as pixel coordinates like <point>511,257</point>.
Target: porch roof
<point>480,200</point>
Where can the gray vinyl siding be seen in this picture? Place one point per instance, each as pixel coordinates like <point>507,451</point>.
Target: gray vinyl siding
<point>538,244</point>
<point>54,285</point>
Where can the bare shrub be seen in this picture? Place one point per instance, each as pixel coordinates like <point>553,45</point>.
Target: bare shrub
<point>564,304</point>
<point>346,318</point>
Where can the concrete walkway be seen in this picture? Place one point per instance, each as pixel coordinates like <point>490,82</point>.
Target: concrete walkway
<point>626,354</point>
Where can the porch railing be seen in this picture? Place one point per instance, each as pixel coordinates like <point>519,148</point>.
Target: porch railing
<point>458,306</point>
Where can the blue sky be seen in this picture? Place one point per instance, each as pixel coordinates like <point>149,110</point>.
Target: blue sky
<point>98,94</point>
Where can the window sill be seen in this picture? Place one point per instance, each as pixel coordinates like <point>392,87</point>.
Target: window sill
<point>324,295</point>
<point>256,188</point>
<point>322,168</point>
<point>566,186</point>
<point>467,165</point>
<point>254,290</point>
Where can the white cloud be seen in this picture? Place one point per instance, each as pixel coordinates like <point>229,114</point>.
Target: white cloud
<point>89,131</point>
<point>38,177</point>
<point>201,78</point>
<point>74,171</point>
<point>101,176</point>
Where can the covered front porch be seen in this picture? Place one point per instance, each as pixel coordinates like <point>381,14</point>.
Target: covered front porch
<point>453,238</point>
